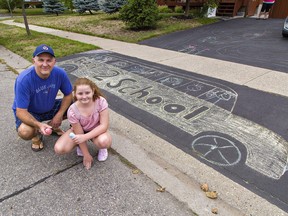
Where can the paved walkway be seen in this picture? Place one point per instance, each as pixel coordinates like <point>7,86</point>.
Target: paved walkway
<point>164,164</point>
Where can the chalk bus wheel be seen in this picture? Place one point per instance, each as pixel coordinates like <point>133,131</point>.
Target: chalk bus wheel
<point>219,149</point>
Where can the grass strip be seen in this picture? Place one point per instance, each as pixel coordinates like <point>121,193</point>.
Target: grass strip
<point>16,40</point>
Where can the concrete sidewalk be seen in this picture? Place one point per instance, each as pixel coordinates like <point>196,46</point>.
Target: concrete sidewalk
<point>163,164</point>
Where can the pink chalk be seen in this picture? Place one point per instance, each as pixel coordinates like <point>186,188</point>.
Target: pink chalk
<point>48,131</point>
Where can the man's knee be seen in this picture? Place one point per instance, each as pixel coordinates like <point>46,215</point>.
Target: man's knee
<point>26,132</point>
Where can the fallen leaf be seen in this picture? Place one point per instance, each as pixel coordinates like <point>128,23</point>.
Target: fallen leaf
<point>161,189</point>
<point>211,194</point>
<point>204,187</point>
<point>214,210</point>
<point>136,171</point>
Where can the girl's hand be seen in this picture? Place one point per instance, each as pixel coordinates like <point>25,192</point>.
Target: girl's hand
<point>87,161</point>
<point>79,138</point>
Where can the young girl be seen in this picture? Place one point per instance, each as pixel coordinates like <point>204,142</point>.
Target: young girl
<point>89,118</point>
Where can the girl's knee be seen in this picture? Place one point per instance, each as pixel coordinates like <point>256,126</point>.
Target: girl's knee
<point>59,148</point>
<point>104,141</point>
<point>64,144</point>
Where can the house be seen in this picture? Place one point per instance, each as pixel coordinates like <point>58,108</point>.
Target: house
<point>235,7</point>
<point>32,3</point>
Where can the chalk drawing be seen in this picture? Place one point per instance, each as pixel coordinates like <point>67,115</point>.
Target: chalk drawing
<point>217,40</point>
<point>216,95</point>
<point>209,39</point>
<point>174,81</point>
<point>217,150</point>
<point>194,87</point>
<point>119,64</point>
<point>193,49</point>
<point>266,151</point>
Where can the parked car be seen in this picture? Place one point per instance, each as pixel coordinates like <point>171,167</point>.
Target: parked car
<point>285,28</point>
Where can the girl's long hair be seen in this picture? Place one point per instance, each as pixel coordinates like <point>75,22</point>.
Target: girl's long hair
<point>84,81</point>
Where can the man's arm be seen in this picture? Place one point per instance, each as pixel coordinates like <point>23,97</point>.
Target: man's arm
<point>27,118</point>
<point>57,119</point>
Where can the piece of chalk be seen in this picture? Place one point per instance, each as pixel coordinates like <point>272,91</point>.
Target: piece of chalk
<point>48,131</point>
<point>71,135</point>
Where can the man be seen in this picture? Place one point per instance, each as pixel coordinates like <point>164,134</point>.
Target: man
<point>267,4</point>
<point>35,100</point>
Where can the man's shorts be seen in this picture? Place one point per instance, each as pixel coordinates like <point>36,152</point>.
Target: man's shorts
<point>266,7</point>
<point>43,116</point>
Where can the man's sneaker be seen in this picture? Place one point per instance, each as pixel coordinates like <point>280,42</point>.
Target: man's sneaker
<point>102,154</point>
<point>79,152</point>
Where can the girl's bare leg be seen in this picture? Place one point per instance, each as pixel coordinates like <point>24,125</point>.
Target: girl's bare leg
<point>64,144</point>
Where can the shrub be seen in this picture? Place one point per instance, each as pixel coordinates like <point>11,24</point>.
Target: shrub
<point>164,9</point>
<point>140,14</point>
<point>212,3</point>
<point>198,12</point>
<point>178,9</point>
<point>209,4</point>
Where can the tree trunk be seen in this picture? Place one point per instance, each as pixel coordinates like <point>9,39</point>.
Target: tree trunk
<point>10,10</point>
<point>25,19</point>
<point>187,8</point>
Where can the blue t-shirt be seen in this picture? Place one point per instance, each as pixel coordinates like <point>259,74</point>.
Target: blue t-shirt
<point>38,95</point>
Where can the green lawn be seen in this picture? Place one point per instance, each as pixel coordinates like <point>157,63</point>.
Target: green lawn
<point>109,26</point>
<point>16,40</point>
<point>99,24</point>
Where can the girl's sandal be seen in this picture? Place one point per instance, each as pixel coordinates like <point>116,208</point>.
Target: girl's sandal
<point>58,131</point>
<point>37,144</point>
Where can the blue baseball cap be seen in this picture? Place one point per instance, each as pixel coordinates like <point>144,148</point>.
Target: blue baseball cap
<point>43,48</point>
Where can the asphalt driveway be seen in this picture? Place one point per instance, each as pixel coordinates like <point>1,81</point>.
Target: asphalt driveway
<point>245,40</point>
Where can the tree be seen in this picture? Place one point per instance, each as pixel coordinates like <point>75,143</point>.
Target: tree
<point>53,6</point>
<point>25,19</point>
<point>10,4</point>
<point>86,5</point>
<point>111,6</point>
<point>68,4</point>
<point>9,7</point>
<point>187,8</point>
<point>140,14</point>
